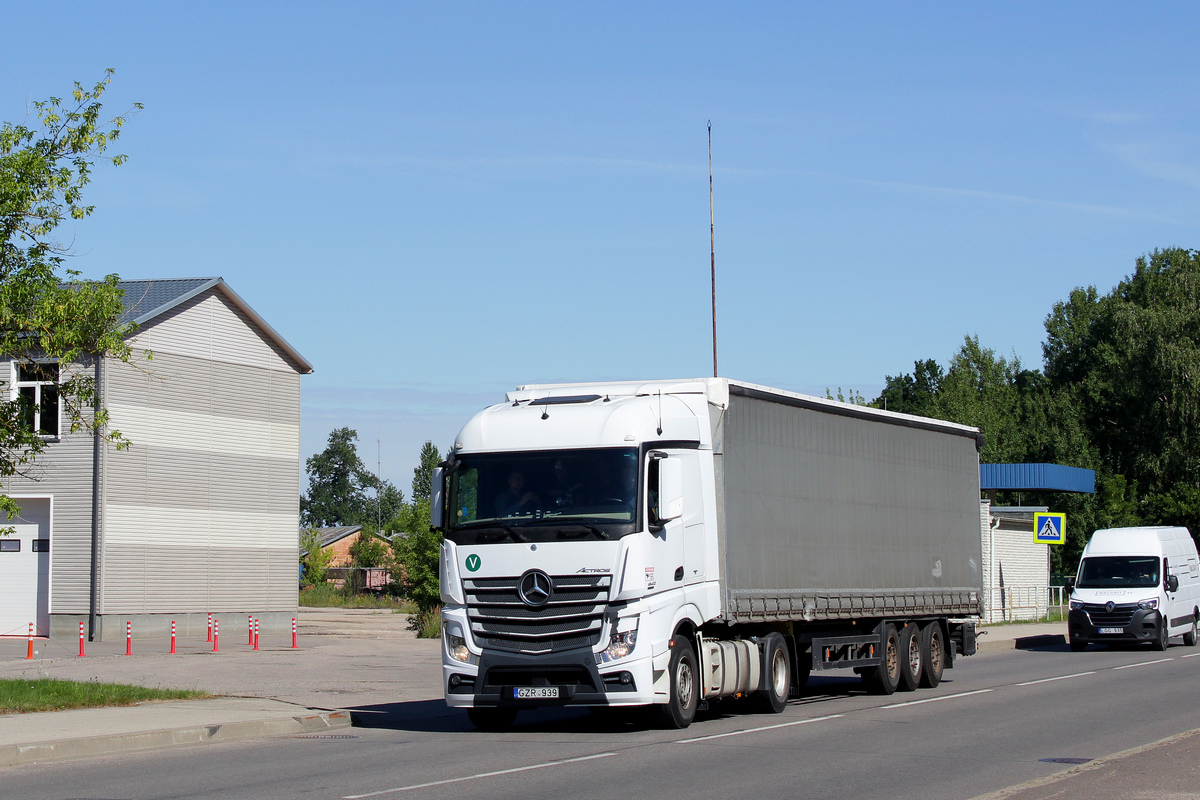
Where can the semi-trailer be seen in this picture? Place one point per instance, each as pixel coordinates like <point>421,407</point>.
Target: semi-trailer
<point>668,543</point>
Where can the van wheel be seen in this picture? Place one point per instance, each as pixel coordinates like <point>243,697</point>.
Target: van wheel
<point>777,677</point>
<point>679,712</point>
<point>1164,635</point>
<point>910,658</point>
<point>884,678</point>
<point>1189,638</point>
<point>933,654</point>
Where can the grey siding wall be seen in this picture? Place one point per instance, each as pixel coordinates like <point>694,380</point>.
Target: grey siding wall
<point>64,470</point>
<point>201,513</point>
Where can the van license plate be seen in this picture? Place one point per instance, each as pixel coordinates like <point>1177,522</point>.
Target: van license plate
<point>1112,630</point>
<point>535,692</point>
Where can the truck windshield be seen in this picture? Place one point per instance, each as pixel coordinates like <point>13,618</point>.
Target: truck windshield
<point>543,495</point>
<point>1109,572</point>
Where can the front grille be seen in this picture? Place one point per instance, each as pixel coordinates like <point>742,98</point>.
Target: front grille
<point>1119,617</point>
<point>573,617</point>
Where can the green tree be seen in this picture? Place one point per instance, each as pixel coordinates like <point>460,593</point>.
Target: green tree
<point>313,557</point>
<point>912,394</point>
<point>423,472</point>
<point>341,490</point>
<point>47,314</point>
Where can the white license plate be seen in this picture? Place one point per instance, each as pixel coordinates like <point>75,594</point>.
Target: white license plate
<point>1112,630</point>
<point>535,692</point>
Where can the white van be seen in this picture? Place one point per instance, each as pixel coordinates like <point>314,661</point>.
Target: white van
<point>1135,585</point>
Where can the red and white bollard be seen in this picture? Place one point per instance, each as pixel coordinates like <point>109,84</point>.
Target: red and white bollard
<point>81,640</point>
<point>209,639</point>
<point>249,629</point>
<point>172,637</point>
<point>294,645</point>
<point>216,635</point>
<point>256,634</point>
<point>29,656</point>
<point>128,638</point>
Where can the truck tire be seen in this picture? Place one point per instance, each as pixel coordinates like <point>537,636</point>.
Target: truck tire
<point>1163,640</point>
<point>776,676</point>
<point>884,678</point>
<point>911,661</point>
<point>492,720</point>
<point>680,710</point>
<point>933,655</point>
<point>1189,638</point>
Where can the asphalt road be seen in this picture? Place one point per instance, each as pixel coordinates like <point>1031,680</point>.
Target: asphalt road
<point>988,726</point>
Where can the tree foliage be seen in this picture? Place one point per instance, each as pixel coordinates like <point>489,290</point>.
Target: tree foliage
<point>313,557</point>
<point>46,312</point>
<point>342,491</point>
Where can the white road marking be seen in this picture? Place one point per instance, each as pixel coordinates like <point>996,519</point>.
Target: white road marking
<point>1144,663</point>
<point>1059,678</point>
<point>1191,655</point>
<point>476,777</point>
<point>936,699</point>
<point>756,730</point>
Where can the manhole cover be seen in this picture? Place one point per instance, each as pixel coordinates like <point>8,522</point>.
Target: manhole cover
<point>1065,760</point>
<point>327,736</point>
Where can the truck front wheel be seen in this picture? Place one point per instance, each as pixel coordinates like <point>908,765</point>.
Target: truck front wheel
<point>679,712</point>
<point>884,678</point>
<point>776,678</point>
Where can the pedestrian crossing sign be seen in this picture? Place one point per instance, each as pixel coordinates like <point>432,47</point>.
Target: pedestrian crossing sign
<point>1049,528</point>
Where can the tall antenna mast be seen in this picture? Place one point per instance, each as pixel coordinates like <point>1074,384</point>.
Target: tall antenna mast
<point>712,248</point>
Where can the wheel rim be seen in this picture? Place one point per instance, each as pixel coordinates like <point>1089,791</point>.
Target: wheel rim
<point>935,651</point>
<point>779,674</point>
<point>893,659</point>
<point>914,655</point>
<point>683,684</point>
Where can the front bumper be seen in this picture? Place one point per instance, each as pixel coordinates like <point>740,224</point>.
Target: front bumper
<point>580,682</point>
<point>1142,628</point>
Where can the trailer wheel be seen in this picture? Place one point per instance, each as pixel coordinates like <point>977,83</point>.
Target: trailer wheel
<point>933,654</point>
<point>1189,638</point>
<point>685,686</point>
<point>776,676</point>
<point>884,678</point>
<point>911,661</point>
<point>492,720</point>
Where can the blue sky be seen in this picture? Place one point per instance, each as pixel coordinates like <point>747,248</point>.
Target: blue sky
<point>435,203</point>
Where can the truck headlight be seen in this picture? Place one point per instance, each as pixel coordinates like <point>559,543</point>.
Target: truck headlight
<point>619,646</point>
<point>456,645</point>
<point>1076,605</point>
<point>1149,605</point>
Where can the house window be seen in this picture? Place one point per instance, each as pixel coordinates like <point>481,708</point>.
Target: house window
<point>37,390</point>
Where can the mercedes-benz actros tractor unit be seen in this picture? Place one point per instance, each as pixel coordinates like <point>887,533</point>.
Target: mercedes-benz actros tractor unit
<point>669,543</point>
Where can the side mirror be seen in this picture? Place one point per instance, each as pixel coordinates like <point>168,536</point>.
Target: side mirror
<point>670,489</point>
<point>436,499</point>
<point>1172,583</point>
<point>1069,585</point>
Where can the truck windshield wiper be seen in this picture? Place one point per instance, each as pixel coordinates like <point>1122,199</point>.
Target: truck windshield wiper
<point>577,523</point>
<point>507,529</point>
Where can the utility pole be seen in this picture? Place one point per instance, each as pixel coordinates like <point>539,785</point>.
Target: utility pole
<point>712,248</point>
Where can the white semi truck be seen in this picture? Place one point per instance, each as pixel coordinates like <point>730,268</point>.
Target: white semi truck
<point>668,543</point>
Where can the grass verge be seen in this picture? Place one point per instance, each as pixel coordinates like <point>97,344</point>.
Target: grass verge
<point>326,595</point>
<point>21,695</point>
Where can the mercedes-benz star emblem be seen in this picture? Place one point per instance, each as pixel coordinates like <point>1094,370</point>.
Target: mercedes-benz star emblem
<point>535,588</point>
<point>1109,606</point>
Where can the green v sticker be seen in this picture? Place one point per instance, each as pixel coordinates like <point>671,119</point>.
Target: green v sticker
<point>473,563</point>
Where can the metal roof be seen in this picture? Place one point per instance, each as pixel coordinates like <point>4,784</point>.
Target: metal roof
<point>331,535</point>
<point>146,300</point>
<point>1033,477</point>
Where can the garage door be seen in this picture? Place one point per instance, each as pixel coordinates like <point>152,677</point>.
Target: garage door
<point>24,582</point>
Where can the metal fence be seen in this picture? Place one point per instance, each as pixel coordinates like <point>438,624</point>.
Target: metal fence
<point>1024,603</point>
<point>362,579</point>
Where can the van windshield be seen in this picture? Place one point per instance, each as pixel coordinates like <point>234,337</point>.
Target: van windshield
<point>1110,572</point>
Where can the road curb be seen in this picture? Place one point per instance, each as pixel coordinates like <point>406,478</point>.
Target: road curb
<point>1020,643</point>
<point>92,746</point>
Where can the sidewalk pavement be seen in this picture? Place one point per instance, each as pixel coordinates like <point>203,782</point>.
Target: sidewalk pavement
<point>348,658</point>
